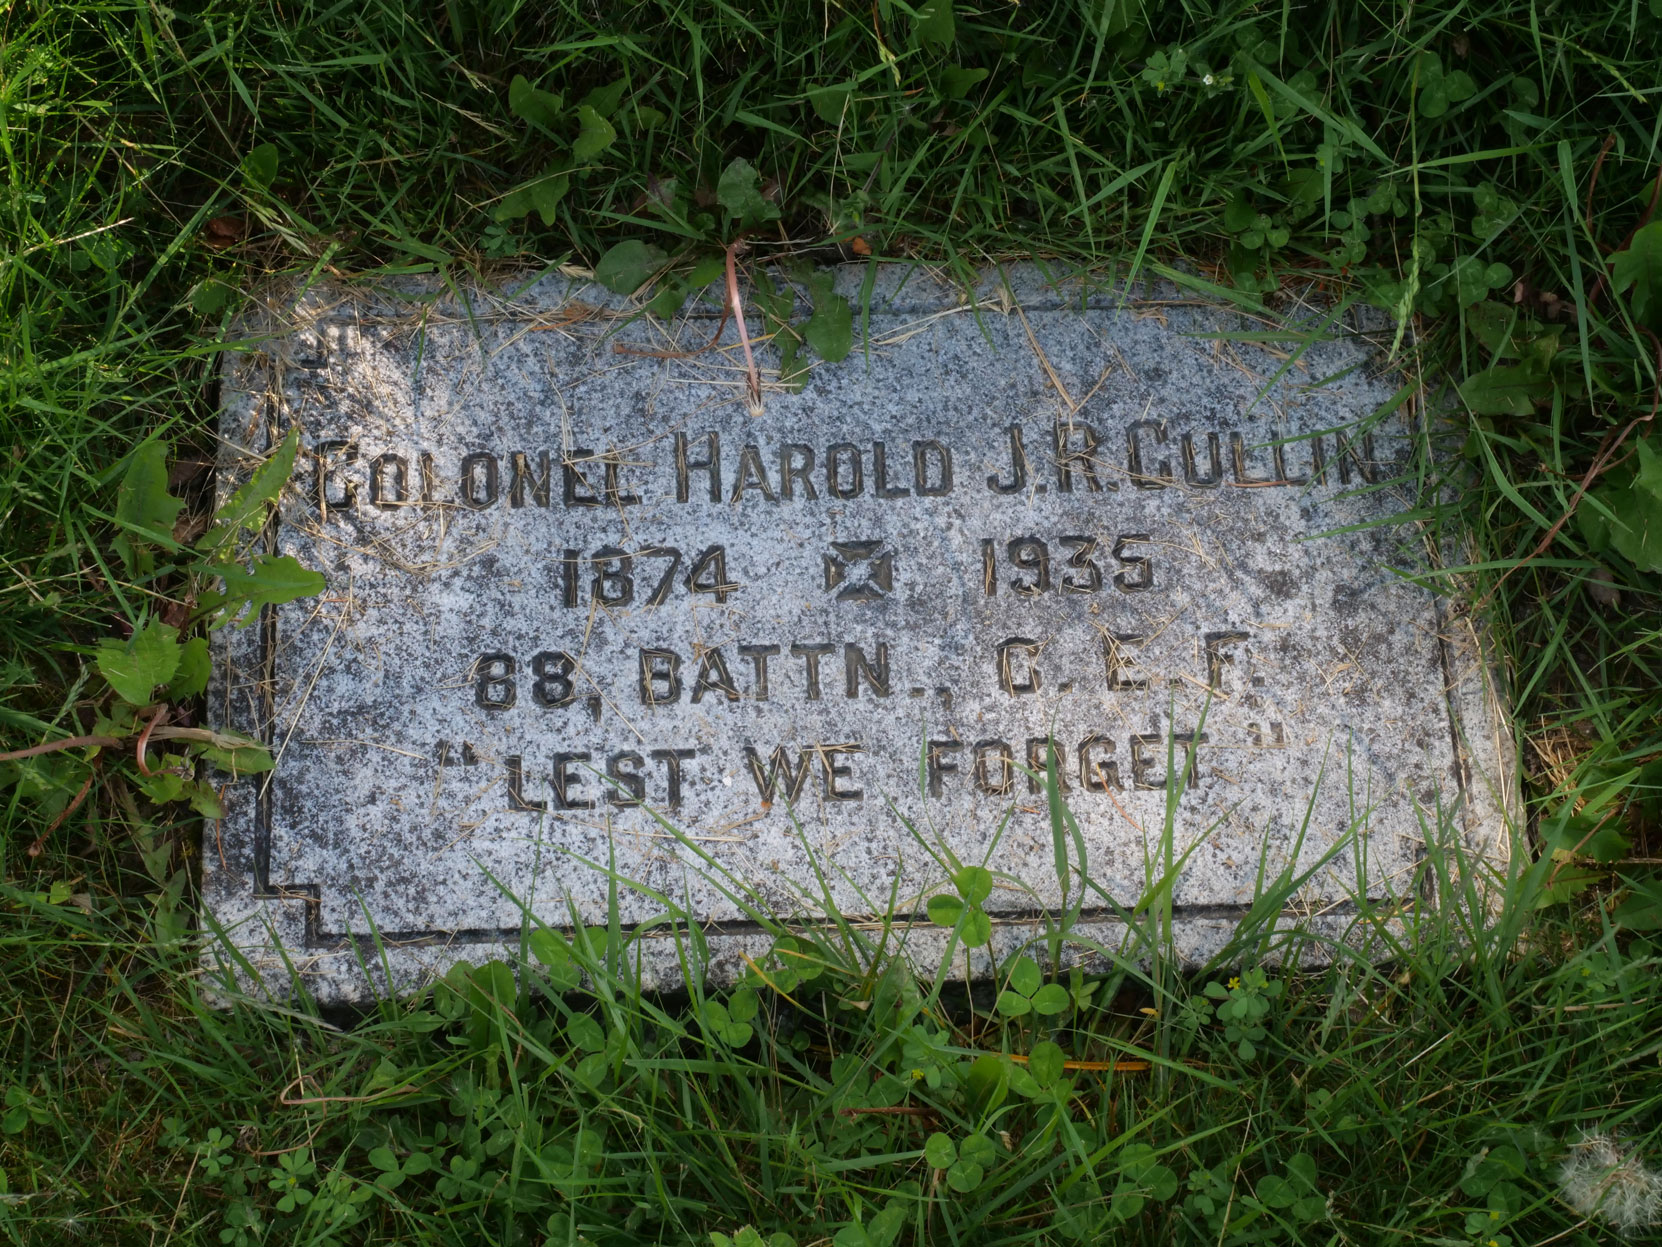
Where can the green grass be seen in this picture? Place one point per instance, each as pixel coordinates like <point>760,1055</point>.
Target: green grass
<point>158,159</point>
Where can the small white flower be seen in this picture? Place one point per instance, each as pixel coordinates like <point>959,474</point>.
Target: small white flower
<point>1207,80</point>
<point>1602,1175</point>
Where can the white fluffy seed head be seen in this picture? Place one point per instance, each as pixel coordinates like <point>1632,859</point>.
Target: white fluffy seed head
<point>1603,1176</point>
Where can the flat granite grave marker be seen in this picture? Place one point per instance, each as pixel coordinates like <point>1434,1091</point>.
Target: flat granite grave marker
<point>586,611</point>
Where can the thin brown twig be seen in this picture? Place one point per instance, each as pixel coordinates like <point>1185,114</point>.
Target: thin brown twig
<point>218,739</point>
<point>1598,289</point>
<point>1580,844</point>
<point>752,377</point>
<point>183,1191</point>
<point>39,845</point>
<point>1579,1225</point>
<point>571,314</point>
<point>68,742</point>
<point>1101,1067</point>
<point>732,307</point>
<point>1592,182</point>
<point>323,1117</point>
<point>287,1102</point>
<point>891,1110</point>
<point>624,348</point>
<point>1601,461</point>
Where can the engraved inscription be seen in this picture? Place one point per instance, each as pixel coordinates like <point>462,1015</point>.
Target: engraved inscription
<point>597,634</point>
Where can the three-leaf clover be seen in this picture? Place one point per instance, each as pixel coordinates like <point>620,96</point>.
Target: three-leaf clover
<point>1436,89</point>
<point>965,1162</point>
<point>1295,1193</point>
<point>393,1171</point>
<point>1142,1178</point>
<point>730,1023</point>
<point>460,1178</point>
<point>1027,992</point>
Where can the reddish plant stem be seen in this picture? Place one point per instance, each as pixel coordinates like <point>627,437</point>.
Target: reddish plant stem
<point>143,745</point>
<point>1593,182</point>
<point>623,348</point>
<point>39,845</point>
<point>55,746</point>
<point>1601,461</point>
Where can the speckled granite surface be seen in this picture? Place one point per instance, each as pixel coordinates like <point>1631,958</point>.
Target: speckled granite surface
<point>584,608</point>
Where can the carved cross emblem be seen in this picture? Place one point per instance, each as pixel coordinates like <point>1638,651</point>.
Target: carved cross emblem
<point>860,571</point>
